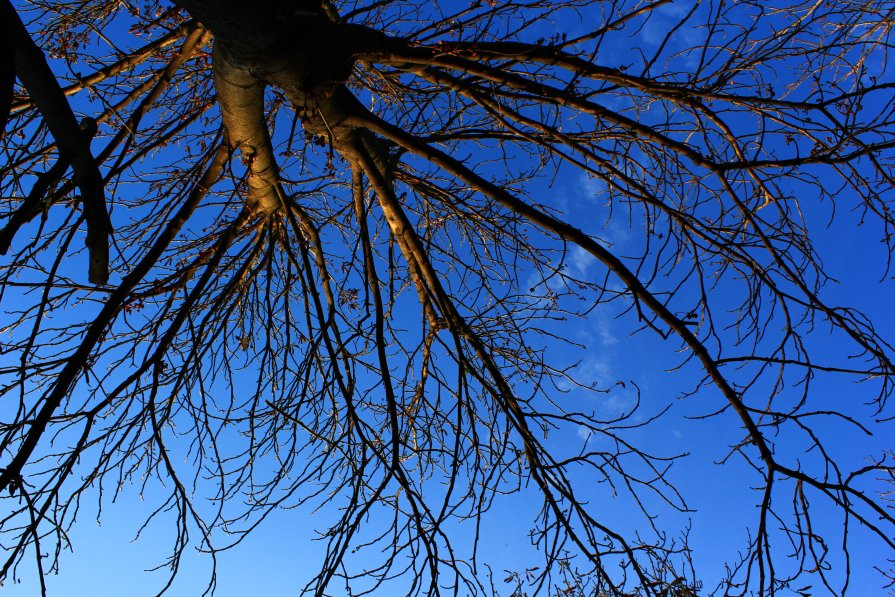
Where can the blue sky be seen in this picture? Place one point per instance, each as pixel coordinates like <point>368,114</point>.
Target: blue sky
<point>282,554</point>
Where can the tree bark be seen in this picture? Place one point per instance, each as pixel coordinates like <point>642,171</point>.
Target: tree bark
<point>299,48</point>
<point>73,141</point>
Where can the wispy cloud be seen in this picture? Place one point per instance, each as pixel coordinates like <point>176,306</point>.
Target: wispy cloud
<point>580,261</point>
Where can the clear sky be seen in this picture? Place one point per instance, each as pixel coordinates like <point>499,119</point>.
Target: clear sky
<point>284,552</point>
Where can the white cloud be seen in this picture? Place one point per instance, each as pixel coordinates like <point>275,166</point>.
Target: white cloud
<point>595,369</point>
<point>591,186</point>
<point>580,261</point>
<point>620,401</point>
<point>604,330</point>
<point>584,433</point>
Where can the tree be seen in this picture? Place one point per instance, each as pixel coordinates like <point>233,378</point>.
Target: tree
<point>323,263</point>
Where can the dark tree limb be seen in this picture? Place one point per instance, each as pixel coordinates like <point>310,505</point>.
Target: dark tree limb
<point>74,145</point>
<point>7,72</point>
<point>38,201</point>
<point>127,63</point>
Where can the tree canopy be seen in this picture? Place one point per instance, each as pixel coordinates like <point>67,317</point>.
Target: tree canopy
<point>271,255</point>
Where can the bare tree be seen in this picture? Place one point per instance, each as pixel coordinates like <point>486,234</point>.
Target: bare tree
<point>323,264</point>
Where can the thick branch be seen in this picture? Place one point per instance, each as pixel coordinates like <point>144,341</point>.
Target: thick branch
<point>74,146</point>
<point>130,61</point>
<point>241,98</point>
<point>7,72</point>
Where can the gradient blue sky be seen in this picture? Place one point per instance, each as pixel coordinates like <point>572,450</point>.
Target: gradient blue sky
<point>281,555</point>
